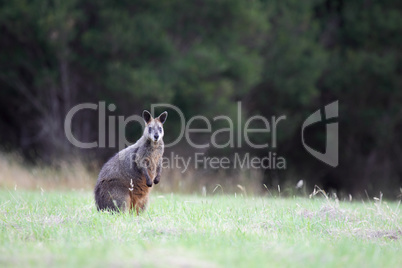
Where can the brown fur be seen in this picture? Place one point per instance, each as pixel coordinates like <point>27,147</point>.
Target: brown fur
<point>126,180</point>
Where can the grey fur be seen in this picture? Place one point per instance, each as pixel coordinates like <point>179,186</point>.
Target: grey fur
<point>126,180</point>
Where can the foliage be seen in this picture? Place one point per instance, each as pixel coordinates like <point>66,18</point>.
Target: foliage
<point>277,57</point>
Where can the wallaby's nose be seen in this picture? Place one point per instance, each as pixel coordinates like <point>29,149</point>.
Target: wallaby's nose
<point>156,136</point>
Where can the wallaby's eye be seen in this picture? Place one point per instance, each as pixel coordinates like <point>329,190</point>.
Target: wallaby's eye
<point>149,130</point>
<point>160,129</point>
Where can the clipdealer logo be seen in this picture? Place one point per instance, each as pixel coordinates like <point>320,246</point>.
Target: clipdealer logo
<point>116,124</point>
<point>331,155</point>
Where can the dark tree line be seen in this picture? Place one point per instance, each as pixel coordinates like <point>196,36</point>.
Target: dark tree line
<point>276,57</point>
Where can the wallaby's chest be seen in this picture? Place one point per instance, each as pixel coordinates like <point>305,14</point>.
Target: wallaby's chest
<point>149,158</point>
<point>154,158</point>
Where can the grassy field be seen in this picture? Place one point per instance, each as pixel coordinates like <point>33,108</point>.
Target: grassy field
<point>63,229</point>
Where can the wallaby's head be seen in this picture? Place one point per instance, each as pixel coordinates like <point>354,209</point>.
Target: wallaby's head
<point>154,126</point>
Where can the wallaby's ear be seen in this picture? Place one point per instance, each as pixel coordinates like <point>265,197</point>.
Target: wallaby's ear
<point>162,117</point>
<point>147,116</point>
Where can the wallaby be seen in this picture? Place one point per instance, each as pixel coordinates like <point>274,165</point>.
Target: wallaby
<point>126,180</point>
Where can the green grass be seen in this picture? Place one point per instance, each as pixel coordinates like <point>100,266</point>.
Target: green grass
<point>63,229</point>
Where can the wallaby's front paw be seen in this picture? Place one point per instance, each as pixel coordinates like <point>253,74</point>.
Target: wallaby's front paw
<point>149,182</point>
<point>156,180</point>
